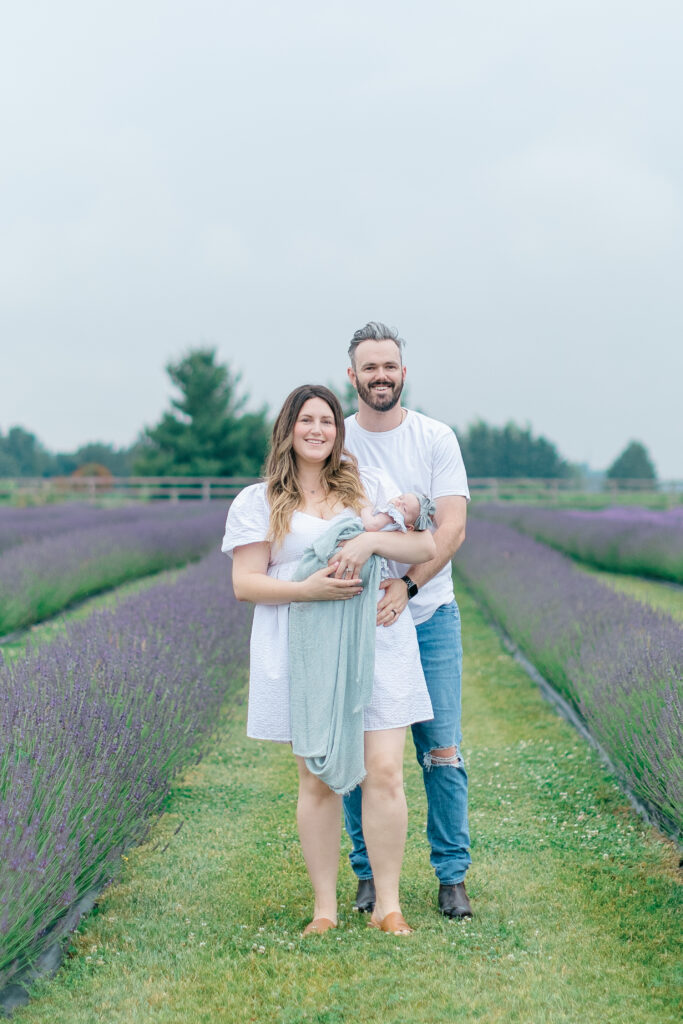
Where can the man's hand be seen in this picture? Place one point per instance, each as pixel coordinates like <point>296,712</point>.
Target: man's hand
<point>394,600</point>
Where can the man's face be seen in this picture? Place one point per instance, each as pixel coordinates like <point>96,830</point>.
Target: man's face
<point>378,375</point>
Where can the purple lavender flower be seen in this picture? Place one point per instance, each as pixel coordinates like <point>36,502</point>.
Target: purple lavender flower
<point>93,727</point>
<point>22,525</point>
<point>617,661</point>
<point>631,540</point>
<point>41,577</point>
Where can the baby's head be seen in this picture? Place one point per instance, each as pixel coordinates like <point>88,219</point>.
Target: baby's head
<point>417,510</point>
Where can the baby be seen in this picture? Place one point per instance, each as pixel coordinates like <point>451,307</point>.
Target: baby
<point>406,512</point>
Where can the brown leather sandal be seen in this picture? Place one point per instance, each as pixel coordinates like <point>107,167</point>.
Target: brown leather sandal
<point>394,924</point>
<point>318,926</point>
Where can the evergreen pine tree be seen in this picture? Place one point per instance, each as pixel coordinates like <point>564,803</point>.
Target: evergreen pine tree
<point>634,463</point>
<point>206,433</point>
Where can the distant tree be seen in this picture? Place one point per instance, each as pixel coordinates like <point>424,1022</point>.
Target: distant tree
<point>347,396</point>
<point>119,461</point>
<point>509,451</point>
<point>22,454</point>
<point>93,469</point>
<point>8,467</point>
<point>207,433</point>
<point>634,463</point>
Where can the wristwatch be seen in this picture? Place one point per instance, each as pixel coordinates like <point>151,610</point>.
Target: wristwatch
<point>412,587</point>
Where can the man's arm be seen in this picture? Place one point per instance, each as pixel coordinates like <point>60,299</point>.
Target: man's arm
<point>450,520</point>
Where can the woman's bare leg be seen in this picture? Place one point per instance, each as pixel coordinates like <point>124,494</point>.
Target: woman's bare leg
<point>385,815</point>
<point>318,816</point>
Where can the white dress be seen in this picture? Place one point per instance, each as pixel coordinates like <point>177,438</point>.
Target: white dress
<point>399,695</point>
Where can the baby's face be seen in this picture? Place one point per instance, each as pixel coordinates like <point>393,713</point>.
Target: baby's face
<point>409,506</point>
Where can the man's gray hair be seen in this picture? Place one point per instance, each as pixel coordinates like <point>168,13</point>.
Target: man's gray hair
<point>374,331</point>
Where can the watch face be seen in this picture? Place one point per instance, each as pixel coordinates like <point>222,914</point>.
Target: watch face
<point>412,587</point>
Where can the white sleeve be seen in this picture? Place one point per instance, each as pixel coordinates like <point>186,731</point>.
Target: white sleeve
<point>448,469</point>
<point>378,485</point>
<point>248,519</point>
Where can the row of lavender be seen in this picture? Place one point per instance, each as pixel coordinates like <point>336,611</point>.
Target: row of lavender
<point>92,729</point>
<point>40,577</point>
<point>616,661</point>
<point>630,540</point>
<point>22,525</point>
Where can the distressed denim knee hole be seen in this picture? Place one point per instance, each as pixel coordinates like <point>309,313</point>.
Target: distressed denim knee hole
<point>432,759</point>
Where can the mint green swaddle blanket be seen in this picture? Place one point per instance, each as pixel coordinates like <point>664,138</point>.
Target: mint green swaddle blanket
<point>331,667</point>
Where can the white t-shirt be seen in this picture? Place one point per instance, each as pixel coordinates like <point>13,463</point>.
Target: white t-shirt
<point>421,455</point>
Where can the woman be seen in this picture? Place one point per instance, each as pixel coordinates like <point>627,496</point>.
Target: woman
<point>310,481</point>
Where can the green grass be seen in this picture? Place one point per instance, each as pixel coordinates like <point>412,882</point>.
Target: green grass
<point>662,596</point>
<point>577,499</point>
<point>576,901</point>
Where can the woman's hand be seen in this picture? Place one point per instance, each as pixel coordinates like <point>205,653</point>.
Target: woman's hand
<point>353,555</point>
<point>324,585</point>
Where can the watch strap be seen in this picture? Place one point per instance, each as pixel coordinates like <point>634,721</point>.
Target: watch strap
<point>411,585</point>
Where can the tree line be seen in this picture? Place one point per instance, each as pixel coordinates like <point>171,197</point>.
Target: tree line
<point>209,432</point>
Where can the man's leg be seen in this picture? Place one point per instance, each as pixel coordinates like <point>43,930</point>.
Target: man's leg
<point>360,861</point>
<point>437,746</point>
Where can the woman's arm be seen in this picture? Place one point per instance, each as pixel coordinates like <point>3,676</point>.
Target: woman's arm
<point>251,582</point>
<point>412,547</point>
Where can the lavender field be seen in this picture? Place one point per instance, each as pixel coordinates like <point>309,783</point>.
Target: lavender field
<point>42,576</point>
<point>640,541</point>
<point>617,662</point>
<point>22,525</point>
<point>93,727</point>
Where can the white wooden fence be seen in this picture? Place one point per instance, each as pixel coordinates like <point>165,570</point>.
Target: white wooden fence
<point>175,488</point>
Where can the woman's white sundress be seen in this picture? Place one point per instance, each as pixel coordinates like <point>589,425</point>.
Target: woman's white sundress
<point>399,695</point>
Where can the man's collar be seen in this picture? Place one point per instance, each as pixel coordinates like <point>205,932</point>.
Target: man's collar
<point>376,422</point>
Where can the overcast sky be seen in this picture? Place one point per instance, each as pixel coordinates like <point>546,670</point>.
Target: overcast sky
<point>501,180</point>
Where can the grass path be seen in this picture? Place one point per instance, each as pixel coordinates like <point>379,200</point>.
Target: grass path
<point>661,595</point>
<point>577,902</point>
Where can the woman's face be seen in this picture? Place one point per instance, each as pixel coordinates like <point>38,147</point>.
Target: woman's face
<point>314,432</point>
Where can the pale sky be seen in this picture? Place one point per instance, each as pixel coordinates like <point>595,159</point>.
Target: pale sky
<point>502,181</point>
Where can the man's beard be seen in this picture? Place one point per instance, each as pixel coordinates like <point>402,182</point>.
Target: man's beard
<point>380,404</point>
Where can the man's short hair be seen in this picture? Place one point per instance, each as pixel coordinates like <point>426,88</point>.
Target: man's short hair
<point>374,331</point>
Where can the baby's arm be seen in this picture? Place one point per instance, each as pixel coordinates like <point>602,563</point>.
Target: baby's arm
<point>374,521</point>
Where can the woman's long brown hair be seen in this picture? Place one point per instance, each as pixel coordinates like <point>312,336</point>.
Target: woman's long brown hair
<point>339,474</point>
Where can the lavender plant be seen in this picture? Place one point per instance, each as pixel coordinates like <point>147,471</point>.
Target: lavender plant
<point>621,539</point>
<point>92,729</point>
<point>40,578</point>
<point>617,661</point>
<point>22,525</point>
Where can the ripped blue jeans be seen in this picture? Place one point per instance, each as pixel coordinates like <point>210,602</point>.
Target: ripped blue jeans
<point>445,780</point>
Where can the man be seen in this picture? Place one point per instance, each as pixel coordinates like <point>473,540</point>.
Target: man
<point>420,454</point>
